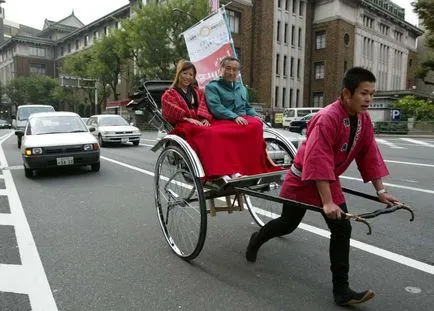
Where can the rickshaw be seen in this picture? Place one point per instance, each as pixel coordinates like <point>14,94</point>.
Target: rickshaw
<point>184,200</point>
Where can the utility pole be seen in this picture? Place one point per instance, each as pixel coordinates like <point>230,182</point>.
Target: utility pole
<point>81,83</point>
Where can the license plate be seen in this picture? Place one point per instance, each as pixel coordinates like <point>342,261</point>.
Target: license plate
<point>65,161</point>
<point>124,140</point>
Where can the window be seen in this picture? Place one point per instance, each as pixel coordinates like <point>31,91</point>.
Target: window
<point>37,69</point>
<point>292,34</point>
<point>279,4</point>
<point>37,51</point>
<point>384,29</point>
<point>291,73</point>
<point>105,31</point>
<point>291,91</point>
<point>319,70</point>
<point>95,35</point>
<point>285,33</point>
<point>69,47</point>
<point>298,68</point>
<point>61,51</point>
<point>346,39</point>
<point>86,40</point>
<point>284,97</point>
<point>398,35</point>
<point>277,63</point>
<point>368,21</point>
<point>276,96</point>
<point>320,40</point>
<point>297,97</point>
<point>318,99</point>
<point>301,8</point>
<point>278,30</point>
<point>299,37</point>
<point>234,20</point>
<point>284,65</point>
<point>294,6</point>
<point>77,45</point>
<point>286,5</point>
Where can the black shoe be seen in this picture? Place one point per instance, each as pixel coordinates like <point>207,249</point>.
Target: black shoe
<point>252,250</point>
<point>350,297</point>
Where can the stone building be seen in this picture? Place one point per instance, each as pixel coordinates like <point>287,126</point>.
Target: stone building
<point>293,52</point>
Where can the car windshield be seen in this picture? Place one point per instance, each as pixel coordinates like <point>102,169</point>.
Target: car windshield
<point>56,125</point>
<point>308,117</point>
<point>112,121</point>
<point>25,113</point>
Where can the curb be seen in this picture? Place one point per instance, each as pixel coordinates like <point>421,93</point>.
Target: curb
<point>406,135</point>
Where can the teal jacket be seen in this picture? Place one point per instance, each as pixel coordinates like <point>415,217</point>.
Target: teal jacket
<point>226,101</point>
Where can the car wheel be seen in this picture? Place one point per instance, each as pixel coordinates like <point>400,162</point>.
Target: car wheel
<point>28,172</point>
<point>95,167</point>
<point>19,143</point>
<point>303,132</point>
<point>136,143</point>
<point>100,141</point>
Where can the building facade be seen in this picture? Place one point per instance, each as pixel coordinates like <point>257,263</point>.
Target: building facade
<point>369,33</point>
<point>293,52</point>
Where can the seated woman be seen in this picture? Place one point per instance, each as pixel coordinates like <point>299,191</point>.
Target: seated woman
<point>223,147</point>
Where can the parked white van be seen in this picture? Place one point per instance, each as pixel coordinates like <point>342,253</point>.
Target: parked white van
<point>290,114</point>
<point>23,113</point>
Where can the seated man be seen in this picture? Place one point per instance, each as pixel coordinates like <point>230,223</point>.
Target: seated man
<point>227,99</point>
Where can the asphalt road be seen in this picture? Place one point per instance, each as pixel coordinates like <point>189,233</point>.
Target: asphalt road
<point>78,240</point>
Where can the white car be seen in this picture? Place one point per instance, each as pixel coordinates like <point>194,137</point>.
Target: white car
<point>112,128</point>
<point>58,139</point>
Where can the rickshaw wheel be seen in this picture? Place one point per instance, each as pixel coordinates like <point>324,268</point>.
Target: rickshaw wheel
<point>279,153</point>
<point>263,210</point>
<point>180,203</point>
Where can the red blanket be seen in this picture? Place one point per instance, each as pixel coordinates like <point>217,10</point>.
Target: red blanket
<point>227,148</point>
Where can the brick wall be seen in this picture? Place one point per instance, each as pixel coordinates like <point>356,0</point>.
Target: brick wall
<point>336,56</point>
<point>262,65</point>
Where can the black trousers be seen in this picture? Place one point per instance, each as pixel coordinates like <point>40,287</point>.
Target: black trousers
<point>339,240</point>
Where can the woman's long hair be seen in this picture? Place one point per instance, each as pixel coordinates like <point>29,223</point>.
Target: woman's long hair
<point>180,67</point>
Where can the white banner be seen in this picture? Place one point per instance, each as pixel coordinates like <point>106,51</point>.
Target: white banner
<point>207,43</point>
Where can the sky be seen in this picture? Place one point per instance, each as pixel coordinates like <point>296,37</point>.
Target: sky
<point>33,12</point>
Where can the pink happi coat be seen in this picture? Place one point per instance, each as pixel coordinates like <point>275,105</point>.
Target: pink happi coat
<point>324,156</point>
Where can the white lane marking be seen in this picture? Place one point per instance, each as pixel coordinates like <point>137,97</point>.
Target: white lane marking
<point>410,181</point>
<point>409,163</point>
<point>394,185</point>
<point>29,277</point>
<point>418,142</point>
<point>366,247</point>
<point>146,145</point>
<point>14,167</point>
<point>388,143</point>
<point>148,139</point>
<point>357,244</point>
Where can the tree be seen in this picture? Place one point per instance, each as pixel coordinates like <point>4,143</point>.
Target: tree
<point>35,89</point>
<point>110,56</point>
<point>153,35</point>
<point>425,11</point>
<point>421,110</point>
